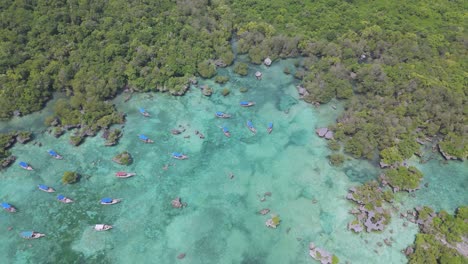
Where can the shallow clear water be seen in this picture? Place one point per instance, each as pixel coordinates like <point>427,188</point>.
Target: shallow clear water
<point>220,223</point>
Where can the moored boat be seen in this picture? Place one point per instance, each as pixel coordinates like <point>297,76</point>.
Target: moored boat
<point>177,155</point>
<point>251,127</point>
<point>247,103</point>
<point>31,235</point>
<point>107,201</point>
<point>64,199</point>
<point>54,154</point>
<point>102,227</point>
<point>270,127</point>
<point>143,112</point>
<point>25,166</point>
<point>8,207</point>
<point>222,115</point>
<point>45,188</point>
<point>145,139</point>
<point>226,131</point>
<point>123,174</point>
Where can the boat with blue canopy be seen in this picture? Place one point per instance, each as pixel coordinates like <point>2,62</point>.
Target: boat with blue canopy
<point>226,131</point>
<point>145,139</point>
<point>31,235</point>
<point>270,127</point>
<point>108,201</point>
<point>54,154</point>
<point>180,156</point>
<point>251,127</point>
<point>247,103</point>
<point>8,207</point>
<point>25,166</point>
<point>45,188</point>
<point>63,199</point>
<point>143,112</point>
<point>222,115</point>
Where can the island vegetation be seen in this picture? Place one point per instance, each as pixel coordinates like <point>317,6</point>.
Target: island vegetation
<point>441,237</point>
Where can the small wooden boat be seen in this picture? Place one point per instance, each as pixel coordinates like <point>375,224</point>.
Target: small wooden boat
<point>180,156</point>
<point>108,201</point>
<point>251,127</point>
<point>270,127</point>
<point>222,115</point>
<point>123,174</point>
<point>8,207</point>
<point>145,139</point>
<point>45,188</point>
<point>54,154</point>
<point>102,227</point>
<point>247,103</point>
<point>31,235</point>
<point>25,166</point>
<point>226,132</point>
<point>144,113</point>
<point>64,199</point>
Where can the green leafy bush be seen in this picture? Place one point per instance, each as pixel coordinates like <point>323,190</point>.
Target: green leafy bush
<point>70,177</point>
<point>241,68</point>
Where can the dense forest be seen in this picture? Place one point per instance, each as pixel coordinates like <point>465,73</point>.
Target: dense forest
<point>400,66</point>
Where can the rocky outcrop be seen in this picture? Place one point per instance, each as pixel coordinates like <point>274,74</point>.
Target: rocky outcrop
<point>273,222</point>
<point>23,137</point>
<point>320,254</point>
<point>324,132</point>
<point>8,161</point>
<point>369,216</point>
<point>258,75</point>
<point>445,154</point>
<point>207,91</point>
<point>302,91</point>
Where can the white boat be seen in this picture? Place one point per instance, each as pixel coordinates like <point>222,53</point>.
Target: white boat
<point>102,227</point>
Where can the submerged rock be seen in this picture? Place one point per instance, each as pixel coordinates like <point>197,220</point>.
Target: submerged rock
<point>264,211</point>
<point>177,203</point>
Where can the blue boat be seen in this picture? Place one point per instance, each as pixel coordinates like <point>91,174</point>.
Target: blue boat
<point>31,235</point>
<point>8,207</point>
<point>63,199</point>
<point>251,127</point>
<point>247,103</point>
<point>25,166</point>
<point>222,115</point>
<point>145,139</point>
<point>177,155</point>
<point>45,188</point>
<point>270,127</point>
<point>54,154</point>
<point>226,131</point>
<point>143,112</point>
<point>107,201</point>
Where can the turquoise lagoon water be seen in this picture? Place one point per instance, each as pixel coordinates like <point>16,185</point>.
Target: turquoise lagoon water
<point>220,223</point>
